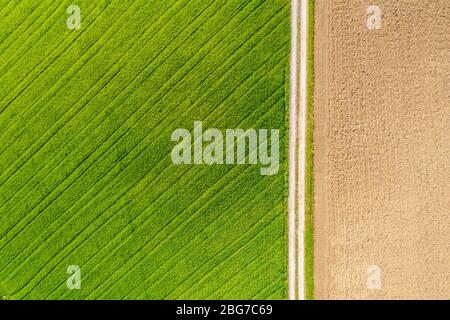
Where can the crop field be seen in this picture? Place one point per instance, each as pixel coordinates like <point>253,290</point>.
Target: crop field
<point>86,176</point>
<point>382,149</point>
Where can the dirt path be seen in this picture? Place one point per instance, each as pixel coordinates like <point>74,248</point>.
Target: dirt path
<point>293,138</point>
<point>297,147</point>
<point>382,150</point>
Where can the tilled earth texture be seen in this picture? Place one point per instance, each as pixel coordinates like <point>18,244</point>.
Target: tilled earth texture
<point>382,149</point>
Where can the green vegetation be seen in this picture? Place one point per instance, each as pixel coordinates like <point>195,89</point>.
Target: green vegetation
<point>86,178</point>
<point>309,185</point>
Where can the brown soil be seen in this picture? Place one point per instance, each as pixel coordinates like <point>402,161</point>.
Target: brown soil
<point>382,149</point>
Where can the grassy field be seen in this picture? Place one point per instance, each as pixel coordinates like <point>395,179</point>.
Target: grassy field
<point>85,171</point>
<point>309,172</point>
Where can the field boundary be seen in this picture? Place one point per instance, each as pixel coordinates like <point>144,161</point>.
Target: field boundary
<point>293,76</point>
<point>309,155</point>
<point>298,114</point>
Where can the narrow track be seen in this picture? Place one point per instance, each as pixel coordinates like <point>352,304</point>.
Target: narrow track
<point>297,147</point>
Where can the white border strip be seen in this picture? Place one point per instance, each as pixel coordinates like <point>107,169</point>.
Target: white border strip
<point>297,148</point>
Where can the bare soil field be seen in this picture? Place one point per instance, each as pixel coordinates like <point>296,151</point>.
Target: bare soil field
<point>382,150</point>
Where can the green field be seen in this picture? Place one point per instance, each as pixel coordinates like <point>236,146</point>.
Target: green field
<point>86,177</point>
<point>309,171</point>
